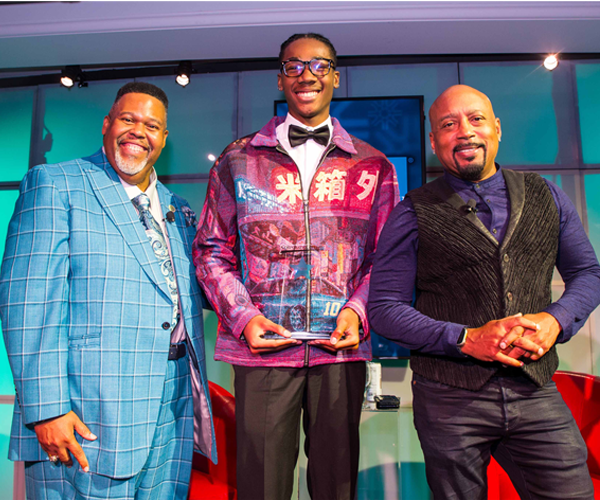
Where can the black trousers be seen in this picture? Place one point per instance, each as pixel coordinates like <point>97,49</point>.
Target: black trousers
<point>269,402</point>
<point>528,429</point>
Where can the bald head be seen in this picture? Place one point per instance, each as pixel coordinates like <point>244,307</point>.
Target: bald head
<point>456,92</point>
<point>465,133</point>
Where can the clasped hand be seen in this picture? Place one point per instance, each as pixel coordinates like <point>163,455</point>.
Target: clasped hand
<point>508,339</point>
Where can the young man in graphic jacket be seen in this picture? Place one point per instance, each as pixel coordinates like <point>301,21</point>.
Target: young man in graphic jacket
<point>285,244</point>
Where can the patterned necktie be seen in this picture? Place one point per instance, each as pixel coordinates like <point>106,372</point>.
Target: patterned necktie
<point>159,245</point>
<point>298,135</point>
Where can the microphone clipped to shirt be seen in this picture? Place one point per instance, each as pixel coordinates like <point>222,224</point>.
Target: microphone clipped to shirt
<point>170,216</point>
<point>470,207</point>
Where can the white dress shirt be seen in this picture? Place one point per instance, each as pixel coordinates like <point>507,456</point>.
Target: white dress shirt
<point>306,156</point>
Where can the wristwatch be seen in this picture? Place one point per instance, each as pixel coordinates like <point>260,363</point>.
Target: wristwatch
<point>462,339</point>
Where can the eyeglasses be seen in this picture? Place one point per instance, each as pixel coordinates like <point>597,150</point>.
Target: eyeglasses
<point>318,67</point>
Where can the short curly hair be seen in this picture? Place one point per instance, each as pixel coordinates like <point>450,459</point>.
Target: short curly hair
<point>314,36</point>
<point>143,88</point>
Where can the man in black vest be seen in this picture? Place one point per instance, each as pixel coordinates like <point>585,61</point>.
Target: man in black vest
<point>479,246</point>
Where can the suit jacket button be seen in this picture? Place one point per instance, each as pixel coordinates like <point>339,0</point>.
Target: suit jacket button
<point>166,325</point>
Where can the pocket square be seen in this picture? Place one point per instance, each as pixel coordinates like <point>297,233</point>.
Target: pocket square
<point>190,216</point>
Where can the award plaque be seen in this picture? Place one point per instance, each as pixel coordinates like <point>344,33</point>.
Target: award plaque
<point>301,301</point>
<point>299,336</point>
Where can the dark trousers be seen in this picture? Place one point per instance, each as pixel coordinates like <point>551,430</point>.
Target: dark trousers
<point>268,407</point>
<point>529,430</point>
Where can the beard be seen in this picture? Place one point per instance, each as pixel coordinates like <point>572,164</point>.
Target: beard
<point>129,166</point>
<point>473,170</point>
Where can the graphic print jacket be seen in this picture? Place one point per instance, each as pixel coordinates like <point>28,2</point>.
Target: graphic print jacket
<point>262,249</point>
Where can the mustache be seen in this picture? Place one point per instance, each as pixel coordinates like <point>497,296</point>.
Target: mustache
<point>139,143</point>
<point>468,145</point>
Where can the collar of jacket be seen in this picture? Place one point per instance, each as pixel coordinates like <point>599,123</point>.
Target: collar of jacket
<point>267,136</point>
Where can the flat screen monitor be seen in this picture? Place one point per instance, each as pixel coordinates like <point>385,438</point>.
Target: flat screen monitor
<point>396,127</point>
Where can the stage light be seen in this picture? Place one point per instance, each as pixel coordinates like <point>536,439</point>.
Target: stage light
<point>66,81</point>
<point>211,157</point>
<point>184,73</point>
<point>67,77</point>
<point>72,74</point>
<point>551,62</point>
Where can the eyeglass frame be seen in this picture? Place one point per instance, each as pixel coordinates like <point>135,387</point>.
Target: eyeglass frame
<point>307,64</point>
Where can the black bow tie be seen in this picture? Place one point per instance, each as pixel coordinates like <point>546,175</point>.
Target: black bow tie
<point>298,135</point>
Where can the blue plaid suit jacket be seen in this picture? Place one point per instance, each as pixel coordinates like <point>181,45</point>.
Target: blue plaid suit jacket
<point>82,303</point>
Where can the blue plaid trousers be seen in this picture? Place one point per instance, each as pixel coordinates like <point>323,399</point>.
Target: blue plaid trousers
<point>166,473</point>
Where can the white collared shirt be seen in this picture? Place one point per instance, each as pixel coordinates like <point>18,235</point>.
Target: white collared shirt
<point>307,155</point>
<point>155,209</point>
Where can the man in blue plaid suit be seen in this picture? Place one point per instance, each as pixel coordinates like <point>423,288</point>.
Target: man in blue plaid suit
<point>105,351</point>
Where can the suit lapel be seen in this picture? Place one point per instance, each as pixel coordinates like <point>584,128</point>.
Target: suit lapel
<point>180,253</point>
<point>118,207</point>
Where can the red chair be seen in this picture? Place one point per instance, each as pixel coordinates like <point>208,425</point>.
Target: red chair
<point>581,393</point>
<point>210,481</point>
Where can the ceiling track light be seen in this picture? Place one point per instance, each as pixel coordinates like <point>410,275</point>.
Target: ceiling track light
<point>551,62</point>
<point>72,74</point>
<point>184,73</point>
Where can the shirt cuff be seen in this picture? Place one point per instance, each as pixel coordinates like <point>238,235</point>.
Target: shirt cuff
<point>362,317</point>
<point>564,318</point>
<point>453,331</point>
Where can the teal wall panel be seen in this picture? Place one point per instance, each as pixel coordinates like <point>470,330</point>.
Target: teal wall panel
<point>588,86</point>
<point>6,466</point>
<point>202,120</point>
<point>7,201</point>
<point>258,92</point>
<point>74,118</point>
<point>16,112</point>
<point>522,96</point>
<point>7,386</point>
<point>592,189</point>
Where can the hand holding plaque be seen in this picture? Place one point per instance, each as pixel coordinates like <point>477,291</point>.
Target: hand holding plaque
<point>346,334</point>
<point>255,331</point>
<point>300,336</point>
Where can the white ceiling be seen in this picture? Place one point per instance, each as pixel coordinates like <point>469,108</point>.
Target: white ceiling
<point>54,34</point>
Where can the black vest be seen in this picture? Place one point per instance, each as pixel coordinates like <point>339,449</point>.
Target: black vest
<point>465,276</point>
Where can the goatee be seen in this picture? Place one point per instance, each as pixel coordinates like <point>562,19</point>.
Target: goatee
<point>472,172</point>
<point>129,167</point>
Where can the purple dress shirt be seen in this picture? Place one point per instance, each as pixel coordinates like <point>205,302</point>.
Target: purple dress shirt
<point>394,272</point>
